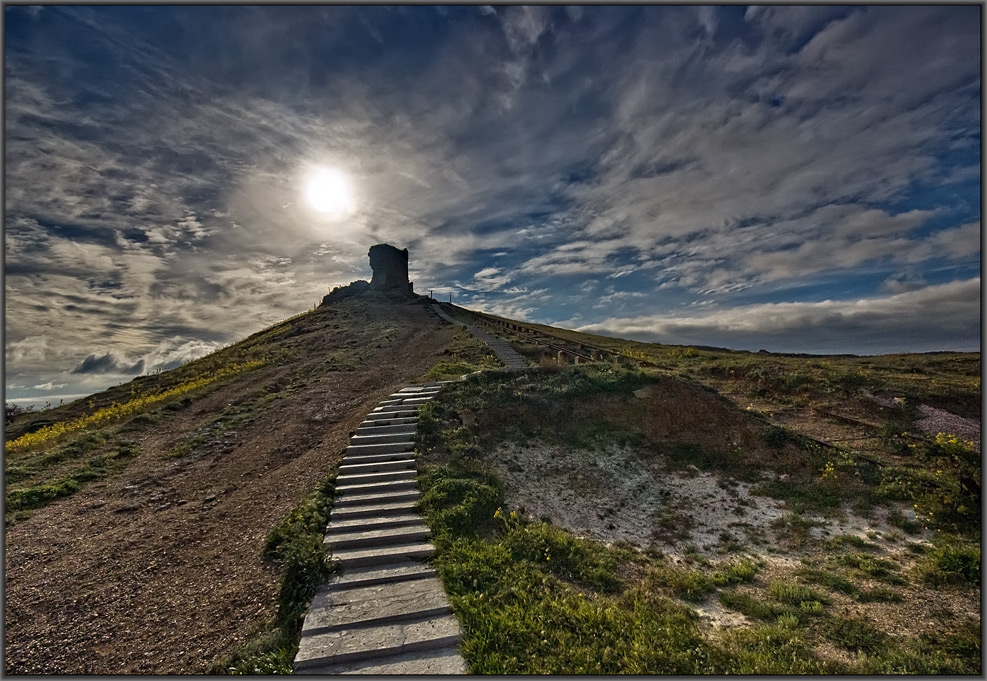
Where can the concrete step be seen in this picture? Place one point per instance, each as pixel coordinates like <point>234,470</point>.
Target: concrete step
<point>396,429</point>
<point>368,458</point>
<point>360,608</point>
<point>395,409</point>
<point>382,507</point>
<point>384,611</point>
<point>383,438</point>
<point>388,536</point>
<point>379,643</point>
<point>441,661</point>
<point>343,526</point>
<point>404,416</point>
<point>382,574</point>
<point>362,557</point>
<point>380,423</point>
<point>383,448</point>
<point>349,479</point>
<point>347,492</point>
<point>377,466</point>
<point>417,392</point>
<point>374,498</point>
<point>417,401</point>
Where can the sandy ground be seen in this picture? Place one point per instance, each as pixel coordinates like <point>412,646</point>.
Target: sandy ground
<point>614,495</point>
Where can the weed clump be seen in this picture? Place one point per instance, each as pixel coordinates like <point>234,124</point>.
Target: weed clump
<point>951,563</point>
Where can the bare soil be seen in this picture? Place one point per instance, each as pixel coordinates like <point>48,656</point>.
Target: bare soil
<point>159,569</point>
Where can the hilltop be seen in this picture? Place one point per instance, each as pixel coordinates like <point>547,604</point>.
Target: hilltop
<point>140,520</point>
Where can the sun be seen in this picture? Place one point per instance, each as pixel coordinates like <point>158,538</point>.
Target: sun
<point>327,190</point>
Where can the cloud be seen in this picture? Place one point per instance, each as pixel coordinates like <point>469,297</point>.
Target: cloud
<point>490,278</point>
<point>175,352</point>
<point>153,196</point>
<point>896,323</point>
<point>32,351</point>
<point>49,386</point>
<point>109,363</point>
<point>903,281</point>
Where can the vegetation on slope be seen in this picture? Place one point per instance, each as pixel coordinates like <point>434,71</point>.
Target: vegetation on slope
<point>533,598</point>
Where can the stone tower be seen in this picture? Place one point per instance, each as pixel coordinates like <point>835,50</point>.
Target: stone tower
<point>390,267</point>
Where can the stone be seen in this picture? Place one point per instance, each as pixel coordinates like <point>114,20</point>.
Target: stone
<point>390,267</point>
<point>351,290</point>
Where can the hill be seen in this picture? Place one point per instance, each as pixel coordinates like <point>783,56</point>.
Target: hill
<point>135,541</point>
<point>147,525</point>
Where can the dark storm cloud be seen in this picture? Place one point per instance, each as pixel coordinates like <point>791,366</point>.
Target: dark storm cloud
<point>109,363</point>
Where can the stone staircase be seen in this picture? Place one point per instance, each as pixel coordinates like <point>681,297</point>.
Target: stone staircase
<point>507,355</point>
<point>385,612</point>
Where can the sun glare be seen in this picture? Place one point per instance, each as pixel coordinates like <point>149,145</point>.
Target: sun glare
<point>328,191</point>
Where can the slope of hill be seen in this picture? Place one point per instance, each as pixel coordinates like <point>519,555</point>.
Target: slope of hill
<point>727,499</point>
<point>134,541</point>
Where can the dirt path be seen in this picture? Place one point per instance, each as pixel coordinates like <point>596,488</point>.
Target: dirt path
<point>158,570</point>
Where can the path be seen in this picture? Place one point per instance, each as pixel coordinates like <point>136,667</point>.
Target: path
<point>386,613</point>
<point>502,349</point>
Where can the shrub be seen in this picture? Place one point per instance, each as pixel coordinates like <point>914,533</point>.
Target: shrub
<point>951,562</point>
<point>794,594</point>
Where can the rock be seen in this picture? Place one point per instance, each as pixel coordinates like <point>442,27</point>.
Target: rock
<point>352,289</point>
<point>390,267</point>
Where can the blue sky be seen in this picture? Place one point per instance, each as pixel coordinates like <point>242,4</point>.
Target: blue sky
<point>798,179</point>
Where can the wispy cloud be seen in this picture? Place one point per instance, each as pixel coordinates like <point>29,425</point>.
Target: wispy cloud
<point>699,157</point>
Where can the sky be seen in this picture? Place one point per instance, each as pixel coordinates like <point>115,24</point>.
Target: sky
<point>795,179</point>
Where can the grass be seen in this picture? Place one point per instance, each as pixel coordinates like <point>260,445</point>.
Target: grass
<point>867,565</point>
<point>697,585</point>
<point>795,594</point>
<point>952,562</point>
<point>533,599</point>
<point>118,411</point>
<point>92,457</point>
<point>855,635</point>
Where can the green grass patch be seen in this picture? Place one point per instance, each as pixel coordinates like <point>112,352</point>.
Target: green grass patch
<point>750,606</point>
<point>830,580</point>
<point>783,647</point>
<point>951,562</point>
<point>110,457</point>
<point>881,569</point>
<point>795,528</point>
<point>534,599</point>
<point>804,495</point>
<point>795,594</point>
<point>856,635</point>
<point>692,585</point>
